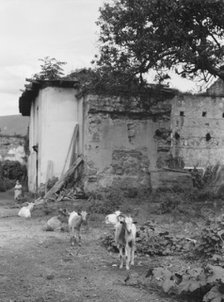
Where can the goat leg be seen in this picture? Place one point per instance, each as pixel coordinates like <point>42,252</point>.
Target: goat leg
<point>133,255</point>
<point>128,256</point>
<point>121,257</point>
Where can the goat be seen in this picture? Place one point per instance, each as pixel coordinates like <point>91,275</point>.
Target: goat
<point>113,218</point>
<point>57,222</point>
<point>75,221</point>
<point>26,211</point>
<point>125,239</point>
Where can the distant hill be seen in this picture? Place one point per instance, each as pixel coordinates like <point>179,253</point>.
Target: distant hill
<point>14,125</point>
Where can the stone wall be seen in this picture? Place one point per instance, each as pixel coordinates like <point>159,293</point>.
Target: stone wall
<point>124,143</point>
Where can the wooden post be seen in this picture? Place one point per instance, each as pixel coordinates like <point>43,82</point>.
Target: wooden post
<point>59,184</point>
<point>72,144</point>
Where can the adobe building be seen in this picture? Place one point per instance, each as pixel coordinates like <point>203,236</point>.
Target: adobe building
<point>118,137</point>
<point>125,144</point>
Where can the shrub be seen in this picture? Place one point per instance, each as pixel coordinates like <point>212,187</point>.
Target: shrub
<point>105,202</point>
<point>211,239</point>
<point>193,284</point>
<point>169,203</point>
<point>6,184</point>
<point>10,171</point>
<point>13,170</point>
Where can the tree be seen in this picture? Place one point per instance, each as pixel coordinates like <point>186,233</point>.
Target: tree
<point>137,36</point>
<point>51,69</point>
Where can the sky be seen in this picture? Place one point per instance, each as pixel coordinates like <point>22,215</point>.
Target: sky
<point>33,29</point>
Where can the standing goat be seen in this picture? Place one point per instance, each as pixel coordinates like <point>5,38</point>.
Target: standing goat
<point>75,221</point>
<point>125,239</point>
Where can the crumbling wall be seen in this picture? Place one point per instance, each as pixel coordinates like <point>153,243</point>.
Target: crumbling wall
<point>124,142</point>
<point>198,129</point>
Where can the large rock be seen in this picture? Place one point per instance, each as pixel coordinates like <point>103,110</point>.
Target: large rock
<point>53,224</point>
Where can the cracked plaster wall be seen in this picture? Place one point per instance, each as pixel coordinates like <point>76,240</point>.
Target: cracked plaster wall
<point>198,129</point>
<point>120,145</point>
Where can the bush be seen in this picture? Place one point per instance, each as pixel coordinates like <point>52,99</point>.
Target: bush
<point>13,170</point>
<point>202,180</point>
<point>105,202</point>
<point>211,239</point>
<point>10,171</point>
<point>6,184</point>
<point>168,201</point>
<point>192,284</point>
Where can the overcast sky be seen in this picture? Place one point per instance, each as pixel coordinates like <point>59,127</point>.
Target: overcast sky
<point>33,29</point>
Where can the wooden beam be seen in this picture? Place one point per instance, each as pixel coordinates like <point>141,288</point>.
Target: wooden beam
<point>59,184</point>
<point>71,147</point>
<point>75,144</point>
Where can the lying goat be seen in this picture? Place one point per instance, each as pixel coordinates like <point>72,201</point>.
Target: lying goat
<point>75,221</point>
<point>58,222</point>
<point>125,239</point>
<point>26,211</point>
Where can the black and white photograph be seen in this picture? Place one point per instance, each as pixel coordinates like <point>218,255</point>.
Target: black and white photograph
<point>112,151</point>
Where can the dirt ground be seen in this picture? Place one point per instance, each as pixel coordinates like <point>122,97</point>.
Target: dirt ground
<point>42,266</point>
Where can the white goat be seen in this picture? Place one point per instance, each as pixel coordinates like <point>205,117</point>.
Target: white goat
<point>75,221</point>
<point>113,218</point>
<point>125,239</point>
<point>26,211</point>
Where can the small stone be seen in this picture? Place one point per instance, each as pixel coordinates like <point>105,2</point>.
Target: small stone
<point>50,277</point>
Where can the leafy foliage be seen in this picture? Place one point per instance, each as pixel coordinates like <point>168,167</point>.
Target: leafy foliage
<point>195,284</point>
<point>215,294</point>
<point>169,204</point>
<point>152,240</point>
<point>184,35</point>
<point>51,69</point>
<point>202,180</point>
<point>10,171</point>
<point>109,243</point>
<point>211,238</point>
<point>13,170</point>
<point>101,80</point>
<point>104,202</point>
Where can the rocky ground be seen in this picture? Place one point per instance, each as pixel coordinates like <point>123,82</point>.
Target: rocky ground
<point>42,266</point>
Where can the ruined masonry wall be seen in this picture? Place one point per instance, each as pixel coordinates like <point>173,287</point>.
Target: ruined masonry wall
<point>198,130</point>
<point>122,144</point>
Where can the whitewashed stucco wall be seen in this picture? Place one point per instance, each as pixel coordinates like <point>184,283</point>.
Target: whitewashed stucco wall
<point>54,115</point>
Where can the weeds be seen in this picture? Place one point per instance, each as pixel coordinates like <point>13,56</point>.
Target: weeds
<point>211,239</point>
<point>105,202</point>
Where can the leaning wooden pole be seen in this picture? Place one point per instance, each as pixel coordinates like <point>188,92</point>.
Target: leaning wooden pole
<point>59,184</point>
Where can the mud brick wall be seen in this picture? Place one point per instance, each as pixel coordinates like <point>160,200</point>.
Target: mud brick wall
<point>123,142</point>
